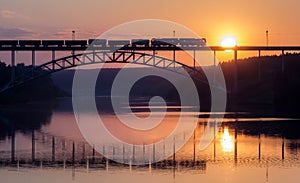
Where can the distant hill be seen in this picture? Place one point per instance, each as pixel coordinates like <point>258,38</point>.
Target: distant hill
<point>274,88</point>
<point>145,87</point>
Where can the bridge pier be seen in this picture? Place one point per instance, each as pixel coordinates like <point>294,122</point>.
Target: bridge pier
<point>174,55</point>
<point>13,66</point>
<point>194,59</point>
<point>235,72</point>
<point>282,61</point>
<point>215,59</point>
<point>33,58</point>
<point>259,67</point>
<point>53,58</point>
<point>153,57</point>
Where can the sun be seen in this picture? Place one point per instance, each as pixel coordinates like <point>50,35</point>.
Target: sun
<point>228,42</point>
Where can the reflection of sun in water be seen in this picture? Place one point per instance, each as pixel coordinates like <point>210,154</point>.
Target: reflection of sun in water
<point>227,143</point>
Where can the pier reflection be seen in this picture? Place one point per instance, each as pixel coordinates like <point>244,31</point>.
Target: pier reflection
<point>232,145</point>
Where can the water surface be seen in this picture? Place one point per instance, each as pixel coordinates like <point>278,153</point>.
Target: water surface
<point>44,144</point>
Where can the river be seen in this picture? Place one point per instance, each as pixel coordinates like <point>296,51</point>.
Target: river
<point>41,142</point>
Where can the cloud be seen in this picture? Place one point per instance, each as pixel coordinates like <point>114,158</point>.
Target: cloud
<point>15,33</point>
<point>9,14</point>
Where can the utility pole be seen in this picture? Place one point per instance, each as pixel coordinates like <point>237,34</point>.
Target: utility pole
<point>267,38</point>
<point>73,34</point>
<point>73,51</point>
<point>73,38</point>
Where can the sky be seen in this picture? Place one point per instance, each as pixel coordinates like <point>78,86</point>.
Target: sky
<point>247,21</point>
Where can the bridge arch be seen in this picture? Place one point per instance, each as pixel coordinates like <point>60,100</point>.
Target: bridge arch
<point>97,57</point>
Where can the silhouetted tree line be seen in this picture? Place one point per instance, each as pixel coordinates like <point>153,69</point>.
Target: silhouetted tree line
<point>5,72</point>
<point>38,89</point>
<point>277,85</point>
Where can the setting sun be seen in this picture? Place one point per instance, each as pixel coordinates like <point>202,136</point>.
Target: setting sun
<point>228,42</point>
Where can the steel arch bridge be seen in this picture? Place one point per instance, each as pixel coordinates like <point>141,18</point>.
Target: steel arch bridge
<point>97,57</point>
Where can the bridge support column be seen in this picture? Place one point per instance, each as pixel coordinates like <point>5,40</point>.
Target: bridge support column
<point>215,66</point>
<point>153,57</point>
<point>133,55</point>
<point>194,60</point>
<point>53,54</point>
<point>114,56</point>
<point>73,58</point>
<point>13,66</point>
<point>33,58</point>
<point>174,55</point>
<point>259,67</point>
<point>214,57</point>
<point>282,61</point>
<point>94,56</point>
<point>235,72</point>
<point>53,58</point>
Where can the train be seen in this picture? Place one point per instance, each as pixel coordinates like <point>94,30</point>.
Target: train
<point>104,43</point>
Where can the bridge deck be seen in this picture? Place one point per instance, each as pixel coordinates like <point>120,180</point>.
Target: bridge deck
<point>145,48</point>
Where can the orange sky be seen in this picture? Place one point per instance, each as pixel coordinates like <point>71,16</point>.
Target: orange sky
<point>245,20</point>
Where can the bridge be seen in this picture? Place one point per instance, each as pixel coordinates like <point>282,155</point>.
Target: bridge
<point>125,51</point>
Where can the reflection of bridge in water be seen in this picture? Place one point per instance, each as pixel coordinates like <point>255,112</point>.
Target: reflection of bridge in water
<point>228,147</point>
